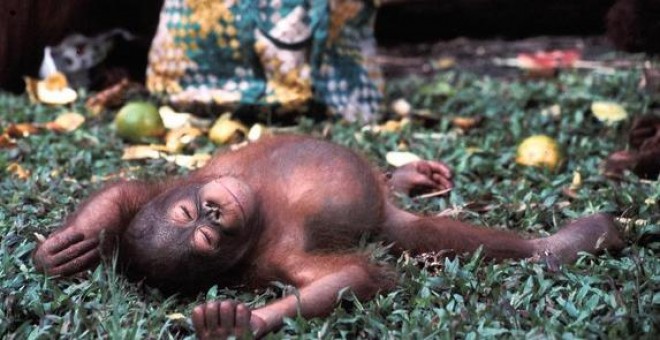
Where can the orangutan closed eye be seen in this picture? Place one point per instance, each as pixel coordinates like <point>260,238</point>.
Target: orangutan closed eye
<point>289,209</point>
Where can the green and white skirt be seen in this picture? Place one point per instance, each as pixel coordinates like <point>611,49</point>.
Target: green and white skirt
<point>281,55</point>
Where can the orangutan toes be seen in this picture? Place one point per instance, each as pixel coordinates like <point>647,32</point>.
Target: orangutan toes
<point>643,129</point>
<point>591,234</point>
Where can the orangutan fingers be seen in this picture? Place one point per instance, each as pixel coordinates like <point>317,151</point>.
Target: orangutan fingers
<point>74,251</point>
<point>78,264</point>
<point>438,167</point>
<point>444,182</point>
<point>62,241</point>
<point>422,181</point>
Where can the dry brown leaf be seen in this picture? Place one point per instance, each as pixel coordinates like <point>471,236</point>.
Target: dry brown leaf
<point>21,130</point>
<point>6,141</point>
<point>227,131</point>
<point>18,171</point>
<point>66,122</point>
<point>466,123</point>
<point>31,89</point>
<point>138,152</point>
<point>177,139</point>
<point>142,152</point>
<point>191,162</point>
<point>393,125</point>
<point>576,183</point>
<point>112,96</point>
<point>172,119</point>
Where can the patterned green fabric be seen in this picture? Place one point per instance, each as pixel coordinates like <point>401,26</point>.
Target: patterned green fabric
<point>280,54</point>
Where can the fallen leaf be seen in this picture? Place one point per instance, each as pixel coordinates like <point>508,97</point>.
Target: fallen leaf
<point>173,119</point>
<point>6,141</point>
<point>112,96</point>
<point>134,152</point>
<point>576,183</point>
<point>466,123</point>
<point>66,122</point>
<point>389,126</point>
<point>401,158</point>
<point>21,130</point>
<point>226,130</point>
<point>18,171</point>
<point>393,125</point>
<point>31,89</point>
<point>189,161</point>
<point>176,316</point>
<point>608,112</point>
<point>138,152</point>
<point>177,139</point>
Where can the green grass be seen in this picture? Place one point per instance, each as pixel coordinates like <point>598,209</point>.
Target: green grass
<point>599,296</point>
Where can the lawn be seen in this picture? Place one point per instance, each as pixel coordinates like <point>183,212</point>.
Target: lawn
<point>605,296</point>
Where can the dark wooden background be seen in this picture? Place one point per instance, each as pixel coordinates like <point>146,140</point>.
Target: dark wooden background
<point>27,26</point>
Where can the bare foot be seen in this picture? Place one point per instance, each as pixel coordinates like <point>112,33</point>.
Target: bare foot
<point>421,177</point>
<point>592,234</point>
<point>643,129</point>
<point>644,163</point>
<point>648,163</point>
<point>617,163</point>
<point>644,159</point>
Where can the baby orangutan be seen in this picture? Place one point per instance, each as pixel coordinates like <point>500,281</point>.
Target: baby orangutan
<point>289,209</point>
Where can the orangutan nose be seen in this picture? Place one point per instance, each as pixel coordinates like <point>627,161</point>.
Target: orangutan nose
<point>212,212</point>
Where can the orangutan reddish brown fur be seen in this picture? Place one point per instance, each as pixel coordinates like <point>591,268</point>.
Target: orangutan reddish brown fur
<point>643,156</point>
<point>289,209</point>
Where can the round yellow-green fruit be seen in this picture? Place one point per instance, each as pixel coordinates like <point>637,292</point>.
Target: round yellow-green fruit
<point>540,151</point>
<point>137,120</point>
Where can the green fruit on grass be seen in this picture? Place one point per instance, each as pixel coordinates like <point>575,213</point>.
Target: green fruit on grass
<point>137,120</point>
